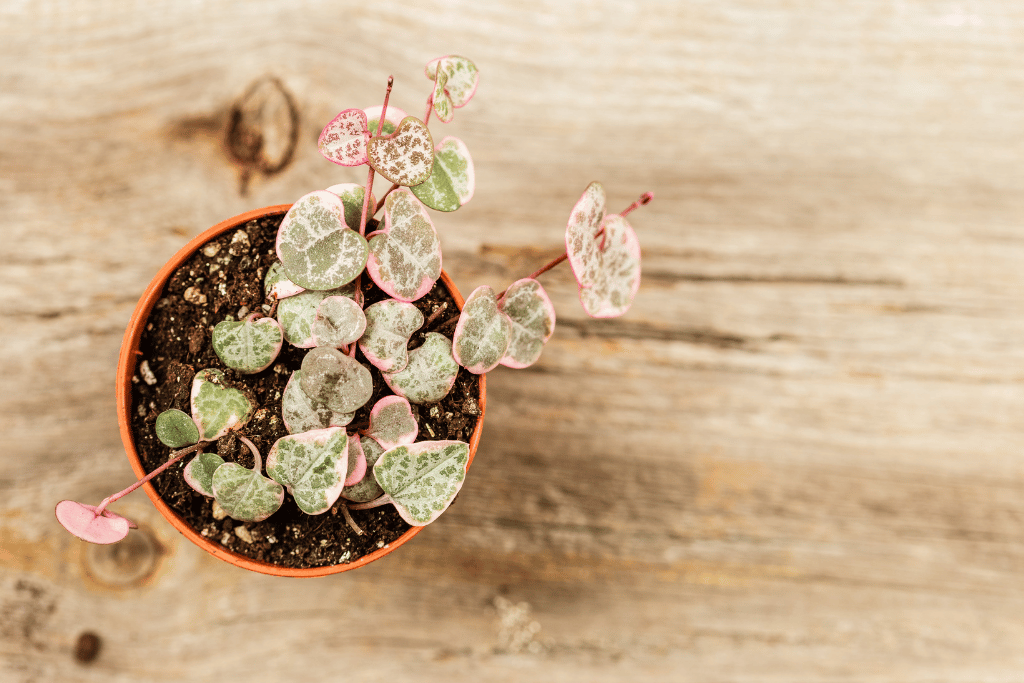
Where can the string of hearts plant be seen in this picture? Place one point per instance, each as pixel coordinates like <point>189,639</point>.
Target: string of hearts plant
<point>324,251</point>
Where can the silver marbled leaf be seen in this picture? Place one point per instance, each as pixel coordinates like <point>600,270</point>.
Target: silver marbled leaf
<point>389,325</point>
<point>405,257</point>
<point>332,378</point>
<point>483,334</point>
<point>300,413</point>
<point>430,374</point>
<point>423,478</point>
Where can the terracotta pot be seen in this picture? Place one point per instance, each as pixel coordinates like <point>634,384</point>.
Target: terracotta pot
<point>126,369</point>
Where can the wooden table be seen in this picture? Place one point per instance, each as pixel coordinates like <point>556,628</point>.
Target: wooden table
<point>797,458</point>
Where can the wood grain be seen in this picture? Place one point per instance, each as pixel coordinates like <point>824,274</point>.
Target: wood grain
<point>797,458</point>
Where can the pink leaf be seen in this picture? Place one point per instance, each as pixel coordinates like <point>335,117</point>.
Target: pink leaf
<point>343,140</point>
<point>83,521</point>
<point>392,422</point>
<point>356,461</point>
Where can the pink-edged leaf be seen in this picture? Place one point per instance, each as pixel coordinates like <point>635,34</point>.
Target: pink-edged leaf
<point>83,521</point>
<point>405,257</point>
<point>217,409</point>
<point>430,374</point>
<point>300,413</point>
<point>246,495</point>
<point>580,232</point>
<point>422,479</point>
<point>332,378</point>
<point>276,284</point>
<point>297,314</point>
<point>249,345</point>
<point>616,278</point>
<point>452,182</point>
<point>367,488</point>
<point>483,334</point>
<point>533,322</point>
<point>317,248</point>
<point>462,74</point>
<point>405,157</point>
<point>444,108</point>
<point>392,422</point>
<point>389,325</point>
<point>339,321</point>
<point>343,140</point>
<point>198,473</point>
<point>393,117</point>
<point>312,466</point>
<point>351,196</point>
<point>356,461</point>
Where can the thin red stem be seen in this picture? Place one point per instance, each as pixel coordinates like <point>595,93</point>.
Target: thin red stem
<point>369,174</point>
<point>645,198</point>
<point>383,500</point>
<point>430,108</point>
<point>380,202</point>
<point>540,271</point>
<point>255,453</point>
<point>175,457</point>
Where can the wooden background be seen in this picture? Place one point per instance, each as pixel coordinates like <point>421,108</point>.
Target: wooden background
<point>797,458</point>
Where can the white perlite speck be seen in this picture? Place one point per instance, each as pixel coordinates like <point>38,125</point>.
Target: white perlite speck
<point>147,375</point>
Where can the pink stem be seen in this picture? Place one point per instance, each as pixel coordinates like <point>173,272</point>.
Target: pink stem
<point>369,174</point>
<point>384,196</point>
<point>430,107</point>
<point>645,198</point>
<point>540,271</point>
<point>383,500</point>
<point>255,453</point>
<point>175,457</point>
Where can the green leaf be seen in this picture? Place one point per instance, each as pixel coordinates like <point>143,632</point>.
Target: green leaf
<point>483,334</point>
<point>199,471</point>
<point>462,77</point>
<point>430,374</point>
<point>339,321</point>
<point>312,466</point>
<point>392,422</point>
<point>276,284</point>
<point>452,181</point>
<point>332,378</point>
<point>351,195</point>
<point>249,345</point>
<point>405,257</point>
<point>217,409</point>
<point>406,156</point>
<point>318,250</point>
<point>389,325</point>
<point>533,321</point>
<point>443,106</point>
<point>423,478</point>
<point>367,489</point>
<point>296,314</point>
<point>176,429</point>
<point>246,495</point>
<point>302,414</point>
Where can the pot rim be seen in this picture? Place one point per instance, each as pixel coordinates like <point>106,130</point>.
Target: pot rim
<point>126,369</point>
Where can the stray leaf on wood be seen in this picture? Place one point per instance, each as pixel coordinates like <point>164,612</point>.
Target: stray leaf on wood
<point>405,257</point>
<point>297,314</point>
<point>249,345</point>
<point>198,473</point>
<point>217,409</point>
<point>343,140</point>
<point>312,466</point>
<point>339,321</point>
<point>389,325</point>
<point>300,413</point>
<point>367,488</point>
<point>430,374</point>
<point>392,422</point>
<point>533,322</point>
<point>452,181</point>
<point>276,284</point>
<point>82,521</point>
<point>483,334</point>
<point>316,246</point>
<point>406,156</point>
<point>423,478</point>
<point>332,378</point>
<point>176,429</point>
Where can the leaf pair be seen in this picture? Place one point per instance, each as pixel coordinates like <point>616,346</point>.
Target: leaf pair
<point>297,314</point>
<point>455,80</point>
<point>430,373</point>
<point>343,140</point>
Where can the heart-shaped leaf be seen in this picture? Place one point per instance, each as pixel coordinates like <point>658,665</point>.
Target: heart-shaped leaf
<point>343,140</point>
<point>617,273</point>
<point>392,118</point>
<point>367,488</point>
<point>332,378</point>
<point>444,108</point>
<point>249,345</point>
<point>198,473</point>
<point>483,334</point>
<point>302,414</point>
<point>356,461</point>
<point>176,429</point>
<point>339,321</point>
<point>351,195</point>
<point>389,324</point>
<point>246,495</point>
<point>581,243</point>
<point>533,321</point>
<point>462,77</point>
<point>430,374</point>
<point>83,521</point>
<point>406,156</point>
<point>317,248</point>
<point>423,478</point>
<point>217,409</point>
<point>452,181</point>
<point>405,257</point>
<point>312,466</point>
<point>392,422</point>
<point>276,284</point>
<point>297,314</point>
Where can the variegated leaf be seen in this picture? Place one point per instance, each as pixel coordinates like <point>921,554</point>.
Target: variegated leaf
<point>483,334</point>
<point>405,257</point>
<point>533,321</point>
<point>312,466</point>
<point>249,345</point>
<point>339,321</point>
<point>217,409</point>
<point>351,196</point>
<point>616,275</point>
<point>581,244</point>
<point>300,413</point>
<point>343,140</point>
<point>83,521</point>
<point>332,378</point>
<point>246,495</point>
<point>318,250</point>
<point>423,478</point>
<point>392,422</point>
<point>276,284</point>
<point>392,118</point>
<point>176,429</point>
<point>430,374</point>
<point>406,156</point>
<point>444,108</point>
<point>462,74</point>
<point>367,488</point>
<point>452,181</point>
<point>389,324</point>
<point>356,461</point>
<point>297,313</point>
<point>198,473</point>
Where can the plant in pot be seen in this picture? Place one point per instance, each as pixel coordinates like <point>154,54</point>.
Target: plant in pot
<point>312,375</point>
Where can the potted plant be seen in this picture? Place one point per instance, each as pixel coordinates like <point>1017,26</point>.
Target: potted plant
<point>309,372</point>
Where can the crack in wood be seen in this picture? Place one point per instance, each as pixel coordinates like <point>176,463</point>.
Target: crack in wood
<point>606,329</point>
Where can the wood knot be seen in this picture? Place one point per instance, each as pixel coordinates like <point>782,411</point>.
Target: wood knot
<point>263,129</point>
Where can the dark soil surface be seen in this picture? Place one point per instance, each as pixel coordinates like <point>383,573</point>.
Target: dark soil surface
<point>221,278</point>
